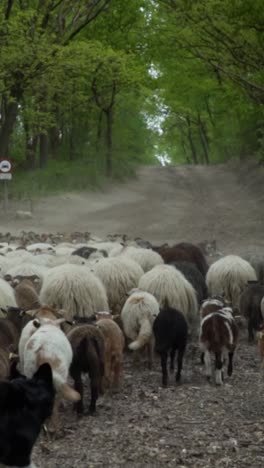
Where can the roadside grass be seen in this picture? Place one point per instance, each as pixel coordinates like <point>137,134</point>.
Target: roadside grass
<point>60,177</point>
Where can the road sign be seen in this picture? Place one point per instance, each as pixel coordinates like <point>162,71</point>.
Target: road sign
<point>7,176</point>
<point>5,166</point>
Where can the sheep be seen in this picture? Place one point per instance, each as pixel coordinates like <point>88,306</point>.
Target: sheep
<point>168,284</point>
<point>40,248</point>
<point>26,295</point>
<point>185,252</point>
<point>230,275</point>
<point>34,280</point>
<point>146,258</point>
<point>8,343</point>
<point>25,405</point>
<point>3,266</point>
<point>138,315</point>
<point>170,331</point>
<point>256,260</point>
<point>108,247</point>
<point>7,296</point>
<point>211,304</point>
<point>46,314</point>
<point>262,307</point>
<point>10,329</point>
<point>194,276</point>
<point>28,269</point>
<point>75,289</point>
<point>114,345</point>
<point>50,345</point>
<point>119,275</point>
<point>88,347</point>
<point>88,252</point>
<point>250,307</point>
<point>218,332</point>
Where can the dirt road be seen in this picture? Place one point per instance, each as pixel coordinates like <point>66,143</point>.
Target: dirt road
<point>196,424</point>
<point>162,204</point>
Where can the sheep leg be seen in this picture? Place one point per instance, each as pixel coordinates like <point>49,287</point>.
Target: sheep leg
<point>164,357</point>
<point>54,419</point>
<point>94,396</point>
<point>208,366</point>
<point>172,359</point>
<point>117,374</point>
<point>78,386</point>
<point>230,363</point>
<point>150,350</point>
<point>180,360</point>
<point>250,332</point>
<point>218,368</point>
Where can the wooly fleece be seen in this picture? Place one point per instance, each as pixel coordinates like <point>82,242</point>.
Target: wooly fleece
<point>146,258</point>
<point>138,315</point>
<point>28,269</point>
<point>7,295</point>
<point>229,275</point>
<point>119,275</point>
<point>171,288</point>
<point>49,344</point>
<point>75,289</point>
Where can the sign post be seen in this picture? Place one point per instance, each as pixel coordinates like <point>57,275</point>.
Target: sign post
<point>5,175</point>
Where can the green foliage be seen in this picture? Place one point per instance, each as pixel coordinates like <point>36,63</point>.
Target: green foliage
<point>106,87</point>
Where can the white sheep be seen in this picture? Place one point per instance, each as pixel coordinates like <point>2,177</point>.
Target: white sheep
<point>75,289</point>
<point>107,246</point>
<point>40,247</point>
<point>146,258</point>
<point>170,287</point>
<point>3,266</point>
<point>119,275</point>
<point>28,269</point>
<point>7,295</point>
<point>229,276</point>
<point>138,315</point>
<point>49,344</point>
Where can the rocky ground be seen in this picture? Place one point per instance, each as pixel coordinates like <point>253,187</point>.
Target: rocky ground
<point>195,424</point>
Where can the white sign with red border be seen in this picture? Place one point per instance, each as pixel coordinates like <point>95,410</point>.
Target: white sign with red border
<point>5,166</point>
<point>5,169</point>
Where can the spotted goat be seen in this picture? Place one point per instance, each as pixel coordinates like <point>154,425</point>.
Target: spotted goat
<point>218,335</point>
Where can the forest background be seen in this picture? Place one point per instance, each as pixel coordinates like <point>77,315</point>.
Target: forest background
<point>91,89</point>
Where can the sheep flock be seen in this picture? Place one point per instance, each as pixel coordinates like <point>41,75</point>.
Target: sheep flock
<point>98,310</point>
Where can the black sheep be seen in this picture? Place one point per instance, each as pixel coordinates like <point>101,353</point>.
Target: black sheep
<point>250,301</point>
<point>170,330</point>
<point>194,276</point>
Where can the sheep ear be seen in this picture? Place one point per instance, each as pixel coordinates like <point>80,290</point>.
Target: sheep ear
<point>31,313</point>
<point>60,321</point>
<point>4,310</point>
<point>36,323</point>
<point>22,312</point>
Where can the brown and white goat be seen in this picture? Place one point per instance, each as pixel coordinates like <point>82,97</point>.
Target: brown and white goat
<point>218,334</point>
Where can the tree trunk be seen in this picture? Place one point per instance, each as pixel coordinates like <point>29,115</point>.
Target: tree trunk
<point>72,148</point>
<point>43,150</point>
<point>31,149</point>
<point>7,127</point>
<point>192,146</point>
<point>204,139</point>
<point>99,131</point>
<point>109,142</point>
<point>54,141</point>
